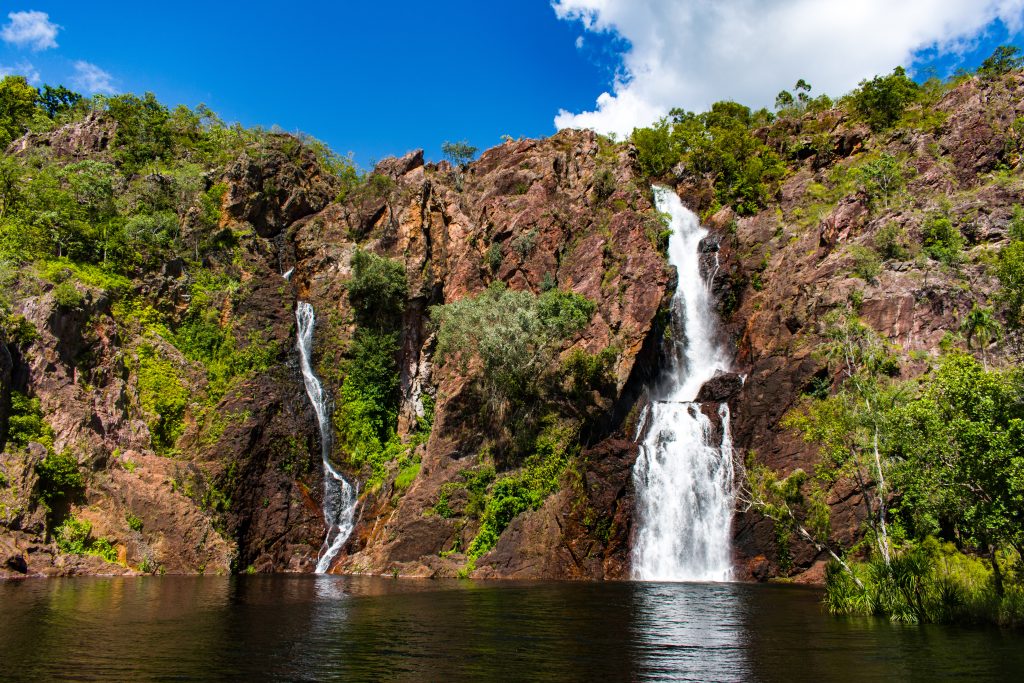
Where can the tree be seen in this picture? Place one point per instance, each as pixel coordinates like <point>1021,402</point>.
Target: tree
<point>458,153</point>
<point>882,100</point>
<point>1004,59</point>
<point>880,179</point>
<point>960,453</point>
<point>784,100</point>
<point>509,338</point>
<point>17,105</point>
<point>56,101</point>
<point>981,325</point>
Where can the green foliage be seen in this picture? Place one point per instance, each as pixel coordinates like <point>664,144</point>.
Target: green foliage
<point>604,185</point>
<point>525,243</point>
<point>26,423</point>
<point>67,296</point>
<point>942,240</point>
<point>17,105</point>
<point>143,134</point>
<point>525,490</point>
<point>58,101</point>
<point>892,242</point>
<point>133,520</point>
<point>59,478</point>
<point>719,144</point>
<point>926,583</point>
<point>458,153</point>
<point>881,101</point>
<point>981,326</point>
<point>656,152</point>
<point>73,537</point>
<point>407,475</point>
<point>1010,271</point>
<point>162,397</point>
<point>1003,60</point>
<point>511,337</point>
<point>960,450</point>
<point>590,372</point>
<point>881,179</point>
<point>866,263</point>
<point>494,256</point>
<point>377,290</point>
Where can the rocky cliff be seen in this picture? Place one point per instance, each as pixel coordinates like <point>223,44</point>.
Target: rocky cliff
<point>177,394</point>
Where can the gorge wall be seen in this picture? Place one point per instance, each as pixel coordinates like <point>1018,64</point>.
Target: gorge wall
<point>233,481</point>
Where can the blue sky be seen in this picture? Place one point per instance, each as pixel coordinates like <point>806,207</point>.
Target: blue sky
<point>383,78</point>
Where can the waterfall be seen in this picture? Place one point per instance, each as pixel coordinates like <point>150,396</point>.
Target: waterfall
<point>339,496</point>
<point>684,474</point>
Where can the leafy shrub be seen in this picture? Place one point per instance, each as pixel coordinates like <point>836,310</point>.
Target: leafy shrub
<point>866,264</point>
<point>73,537</point>
<point>133,520</point>
<point>494,256</point>
<point>59,478</point>
<point>892,242</point>
<point>604,185</point>
<point>881,101</point>
<point>513,334</point>
<point>26,423</point>
<point>881,179</point>
<point>67,296</point>
<point>378,289</point>
<point>942,240</point>
<point>526,489</point>
<point>162,397</point>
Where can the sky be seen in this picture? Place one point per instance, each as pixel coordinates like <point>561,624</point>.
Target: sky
<point>379,79</point>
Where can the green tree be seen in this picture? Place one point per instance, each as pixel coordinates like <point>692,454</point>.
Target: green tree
<point>1003,60</point>
<point>17,106</point>
<point>509,338</point>
<point>882,100</point>
<point>980,325</point>
<point>56,101</point>
<point>960,448</point>
<point>458,153</point>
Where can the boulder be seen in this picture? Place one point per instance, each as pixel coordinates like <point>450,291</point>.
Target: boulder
<point>721,387</point>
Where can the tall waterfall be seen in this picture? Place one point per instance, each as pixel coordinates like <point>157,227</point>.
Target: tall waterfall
<point>339,496</point>
<point>683,479</point>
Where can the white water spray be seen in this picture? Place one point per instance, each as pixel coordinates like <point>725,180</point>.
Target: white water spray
<point>684,481</point>
<point>339,496</point>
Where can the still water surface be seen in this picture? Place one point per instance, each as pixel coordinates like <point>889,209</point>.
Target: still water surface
<point>307,628</point>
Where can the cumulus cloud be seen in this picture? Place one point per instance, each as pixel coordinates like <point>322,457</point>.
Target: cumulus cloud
<point>30,29</point>
<point>92,79</point>
<point>25,69</point>
<point>690,53</point>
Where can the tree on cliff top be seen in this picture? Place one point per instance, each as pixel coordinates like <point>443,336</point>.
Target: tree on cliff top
<point>459,153</point>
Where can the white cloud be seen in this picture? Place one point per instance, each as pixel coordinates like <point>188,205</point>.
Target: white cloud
<point>691,53</point>
<point>30,29</point>
<point>25,69</point>
<point>579,42</point>
<point>92,79</point>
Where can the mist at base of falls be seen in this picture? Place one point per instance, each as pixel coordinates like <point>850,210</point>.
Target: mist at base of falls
<point>684,474</point>
<point>339,496</point>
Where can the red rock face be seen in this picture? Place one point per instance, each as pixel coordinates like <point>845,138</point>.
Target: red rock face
<point>535,201</point>
<point>808,271</point>
<point>244,487</point>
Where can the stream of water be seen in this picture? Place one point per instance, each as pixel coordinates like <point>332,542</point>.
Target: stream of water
<point>339,496</point>
<point>684,474</point>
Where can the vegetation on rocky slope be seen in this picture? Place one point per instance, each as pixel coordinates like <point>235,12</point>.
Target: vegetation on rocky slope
<point>905,192</point>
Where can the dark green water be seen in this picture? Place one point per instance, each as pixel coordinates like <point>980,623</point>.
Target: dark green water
<point>308,628</point>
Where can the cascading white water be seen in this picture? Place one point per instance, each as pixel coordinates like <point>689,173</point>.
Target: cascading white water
<point>339,495</point>
<point>684,481</point>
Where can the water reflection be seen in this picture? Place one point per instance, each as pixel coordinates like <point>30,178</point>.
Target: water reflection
<point>338,628</point>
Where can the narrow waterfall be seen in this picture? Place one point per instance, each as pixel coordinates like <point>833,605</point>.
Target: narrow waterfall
<point>339,495</point>
<point>683,478</point>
